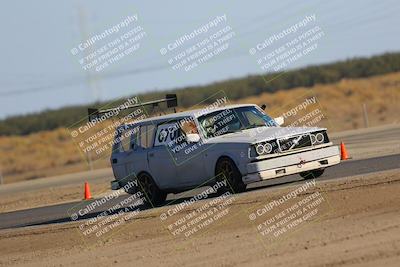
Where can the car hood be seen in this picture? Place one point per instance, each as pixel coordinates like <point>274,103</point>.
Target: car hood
<point>260,134</point>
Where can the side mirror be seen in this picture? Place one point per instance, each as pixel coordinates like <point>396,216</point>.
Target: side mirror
<point>192,138</point>
<point>263,106</point>
<point>279,120</point>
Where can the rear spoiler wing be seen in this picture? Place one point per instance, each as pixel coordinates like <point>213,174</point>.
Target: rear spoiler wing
<point>96,114</point>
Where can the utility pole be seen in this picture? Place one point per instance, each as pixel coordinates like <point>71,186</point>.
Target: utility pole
<point>91,76</point>
<point>89,159</point>
<point>365,115</point>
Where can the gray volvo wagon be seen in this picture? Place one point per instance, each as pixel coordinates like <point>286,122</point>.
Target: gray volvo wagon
<point>237,144</point>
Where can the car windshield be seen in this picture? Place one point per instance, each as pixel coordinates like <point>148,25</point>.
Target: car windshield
<point>233,120</point>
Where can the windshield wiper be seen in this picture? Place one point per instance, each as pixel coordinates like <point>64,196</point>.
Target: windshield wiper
<point>253,126</point>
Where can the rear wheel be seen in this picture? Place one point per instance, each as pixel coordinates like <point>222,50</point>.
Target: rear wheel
<point>153,195</point>
<point>130,191</point>
<point>226,170</point>
<point>312,174</point>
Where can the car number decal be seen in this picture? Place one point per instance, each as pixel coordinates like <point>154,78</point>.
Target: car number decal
<point>166,133</point>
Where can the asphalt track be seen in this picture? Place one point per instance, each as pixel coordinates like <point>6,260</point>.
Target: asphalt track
<point>62,213</point>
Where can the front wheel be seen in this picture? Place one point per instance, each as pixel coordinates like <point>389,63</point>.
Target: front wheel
<point>153,195</point>
<point>227,171</point>
<point>312,174</point>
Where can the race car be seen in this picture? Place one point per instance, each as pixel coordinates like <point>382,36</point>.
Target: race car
<point>236,144</point>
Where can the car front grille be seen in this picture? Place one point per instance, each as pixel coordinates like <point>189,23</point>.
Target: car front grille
<point>294,142</point>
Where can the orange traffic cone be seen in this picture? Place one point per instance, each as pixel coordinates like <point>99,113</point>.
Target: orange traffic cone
<point>87,191</point>
<point>343,152</point>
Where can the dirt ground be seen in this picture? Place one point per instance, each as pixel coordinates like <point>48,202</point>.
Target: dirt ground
<point>358,223</point>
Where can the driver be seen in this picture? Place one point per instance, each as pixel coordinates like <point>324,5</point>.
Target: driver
<point>189,127</point>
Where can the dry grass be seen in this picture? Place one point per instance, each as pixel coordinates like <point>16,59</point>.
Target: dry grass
<point>40,154</point>
<point>54,152</point>
<point>342,102</point>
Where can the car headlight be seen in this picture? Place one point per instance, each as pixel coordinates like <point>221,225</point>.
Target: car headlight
<point>318,138</point>
<point>263,148</point>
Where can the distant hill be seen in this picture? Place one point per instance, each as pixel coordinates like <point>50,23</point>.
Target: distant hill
<point>236,89</point>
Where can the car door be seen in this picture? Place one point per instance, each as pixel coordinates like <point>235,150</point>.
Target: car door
<point>121,152</point>
<point>189,157</point>
<point>161,165</point>
<point>136,159</point>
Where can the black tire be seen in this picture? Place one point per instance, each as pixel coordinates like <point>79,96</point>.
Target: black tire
<point>312,174</point>
<point>130,191</point>
<point>153,195</point>
<point>227,170</point>
<point>129,187</point>
<point>222,190</point>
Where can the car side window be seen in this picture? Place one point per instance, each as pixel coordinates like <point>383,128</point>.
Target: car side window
<point>135,138</point>
<point>168,134</point>
<point>125,139</point>
<point>146,136</point>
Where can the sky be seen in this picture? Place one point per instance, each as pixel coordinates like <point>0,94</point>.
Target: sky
<point>39,71</point>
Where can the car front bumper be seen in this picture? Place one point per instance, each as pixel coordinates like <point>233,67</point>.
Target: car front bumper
<point>291,164</point>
